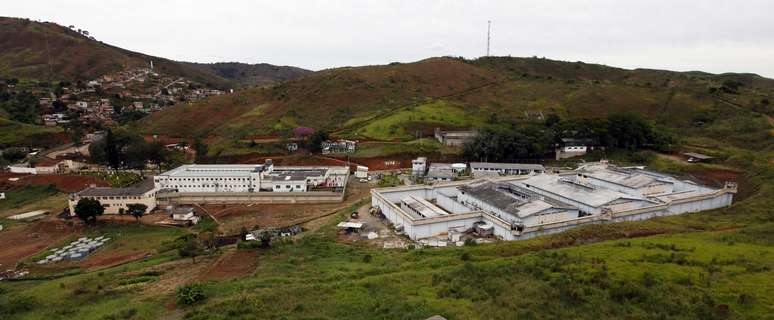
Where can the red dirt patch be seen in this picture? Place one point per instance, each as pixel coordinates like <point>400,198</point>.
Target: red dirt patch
<point>232,264</point>
<point>66,183</point>
<point>21,242</point>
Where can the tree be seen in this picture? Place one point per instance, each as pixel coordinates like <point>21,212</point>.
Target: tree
<point>191,248</point>
<point>137,210</point>
<point>112,154</point>
<point>199,147</point>
<point>316,140</point>
<point>88,210</point>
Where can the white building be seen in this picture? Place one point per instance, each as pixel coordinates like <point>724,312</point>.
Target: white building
<point>506,168</point>
<point>199,178</point>
<point>419,166</point>
<point>521,207</point>
<point>117,200</point>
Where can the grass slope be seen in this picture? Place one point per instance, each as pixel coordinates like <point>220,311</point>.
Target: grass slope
<point>392,102</point>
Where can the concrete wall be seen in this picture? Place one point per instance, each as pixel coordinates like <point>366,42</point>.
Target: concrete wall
<point>113,205</point>
<point>251,197</point>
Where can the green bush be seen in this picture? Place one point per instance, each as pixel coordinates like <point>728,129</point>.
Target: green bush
<point>248,245</point>
<point>190,294</point>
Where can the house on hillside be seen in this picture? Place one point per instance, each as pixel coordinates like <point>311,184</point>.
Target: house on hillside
<point>698,157</point>
<point>454,138</point>
<point>572,147</point>
<point>338,146</point>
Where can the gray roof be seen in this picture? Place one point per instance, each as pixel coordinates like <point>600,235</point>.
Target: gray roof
<point>506,166</point>
<point>498,196</point>
<point>564,187</point>
<point>624,177</point>
<point>698,155</point>
<point>137,189</point>
<point>295,175</point>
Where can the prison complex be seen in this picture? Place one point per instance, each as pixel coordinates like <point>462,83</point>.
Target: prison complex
<point>521,207</point>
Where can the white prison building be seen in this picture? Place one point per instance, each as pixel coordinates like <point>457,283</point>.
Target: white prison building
<point>521,207</point>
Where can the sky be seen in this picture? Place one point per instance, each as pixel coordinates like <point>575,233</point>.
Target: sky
<point>707,35</point>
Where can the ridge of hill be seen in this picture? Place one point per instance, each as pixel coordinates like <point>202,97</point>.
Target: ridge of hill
<point>48,51</point>
<point>393,102</point>
<point>246,74</point>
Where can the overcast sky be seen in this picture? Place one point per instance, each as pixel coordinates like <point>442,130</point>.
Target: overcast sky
<point>708,35</point>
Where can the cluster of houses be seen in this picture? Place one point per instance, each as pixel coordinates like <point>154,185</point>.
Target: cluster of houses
<point>147,90</point>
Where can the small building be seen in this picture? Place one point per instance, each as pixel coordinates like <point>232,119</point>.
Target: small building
<point>338,146</point>
<point>506,168</point>
<point>418,166</point>
<point>184,215</point>
<point>361,172</point>
<point>571,147</point>
<point>454,138</point>
<point>117,200</point>
<point>440,172</point>
<point>698,157</point>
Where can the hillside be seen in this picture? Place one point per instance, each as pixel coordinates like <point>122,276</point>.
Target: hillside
<point>393,102</point>
<point>27,47</point>
<point>251,74</point>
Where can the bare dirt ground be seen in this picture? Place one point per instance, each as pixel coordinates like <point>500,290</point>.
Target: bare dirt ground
<point>385,236</point>
<point>232,264</point>
<point>66,183</point>
<point>25,240</point>
<point>175,273</point>
<point>233,217</point>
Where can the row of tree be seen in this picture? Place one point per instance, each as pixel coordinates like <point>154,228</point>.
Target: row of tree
<point>513,142</point>
<point>88,210</point>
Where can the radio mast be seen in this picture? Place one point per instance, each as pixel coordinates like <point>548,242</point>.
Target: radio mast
<point>488,33</point>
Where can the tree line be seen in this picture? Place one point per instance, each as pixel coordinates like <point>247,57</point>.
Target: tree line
<point>498,142</point>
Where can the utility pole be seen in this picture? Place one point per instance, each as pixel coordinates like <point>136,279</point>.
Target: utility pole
<point>488,35</point>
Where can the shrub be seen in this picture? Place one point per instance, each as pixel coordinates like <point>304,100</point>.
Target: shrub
<point>190,294</point>
<point>465,256</point>
<point>367,258</point>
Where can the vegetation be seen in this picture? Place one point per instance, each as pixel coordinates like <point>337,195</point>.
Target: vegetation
<point>88,209</point>
<point>533,141</point>
<point>190,294</point>
<point>125,149</point>
<point>21,196</point>
<point>137,210</point>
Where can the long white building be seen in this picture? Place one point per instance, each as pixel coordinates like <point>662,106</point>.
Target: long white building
<point>522,207</point>
<point>241,178</point>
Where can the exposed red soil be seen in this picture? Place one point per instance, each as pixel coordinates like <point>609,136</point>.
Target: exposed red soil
<point>23,241</point>
<point>66,183</point>
<point>233,264</point>
<point>718,177</point>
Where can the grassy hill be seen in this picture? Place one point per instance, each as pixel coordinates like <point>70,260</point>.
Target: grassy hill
<point>251,74</point>
<point>48,51</point>
<point>393,102</point>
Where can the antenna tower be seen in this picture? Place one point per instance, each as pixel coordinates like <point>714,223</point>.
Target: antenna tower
<point>488,35</point>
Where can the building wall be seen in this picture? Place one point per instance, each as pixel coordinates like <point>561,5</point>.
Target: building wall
<point>113,205</point>
<point>248,183</point>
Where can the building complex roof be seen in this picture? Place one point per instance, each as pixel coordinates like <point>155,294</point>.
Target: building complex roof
<point>579,192</point>
<point>139,188</point>
<point>506,166</point>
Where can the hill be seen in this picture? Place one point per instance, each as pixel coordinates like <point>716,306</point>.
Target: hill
<point>48,51</point>
<point>393,102</point>
<point>251,74</point>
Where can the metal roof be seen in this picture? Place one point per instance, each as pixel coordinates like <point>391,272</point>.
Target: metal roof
<point>506,166</point>
<point>698,155</point>
<point>137,189</point>
<point>588,195</point>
